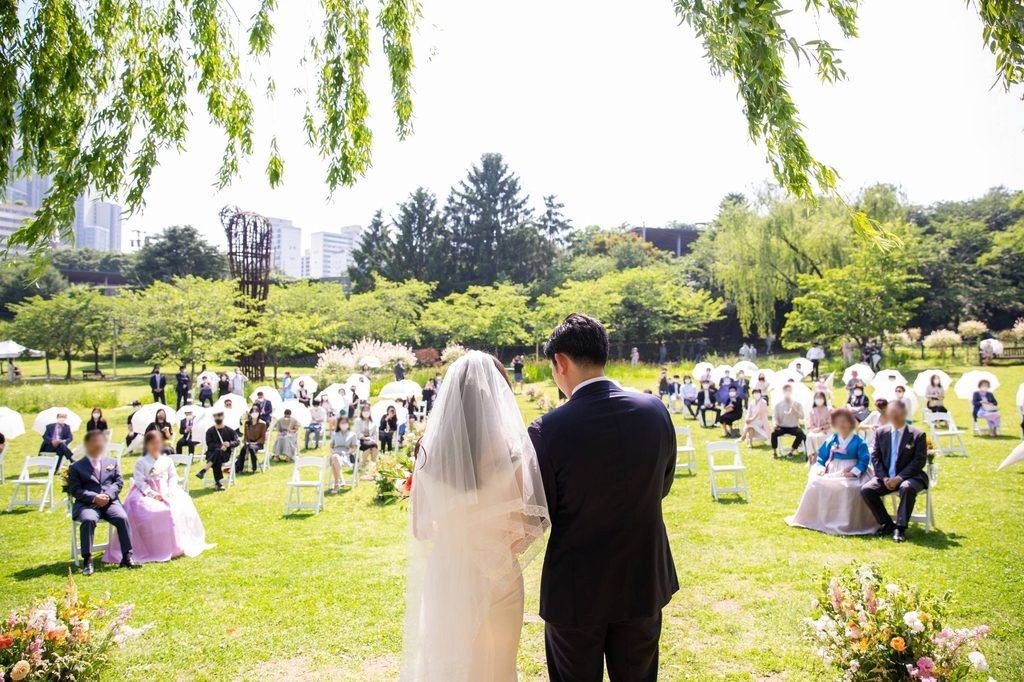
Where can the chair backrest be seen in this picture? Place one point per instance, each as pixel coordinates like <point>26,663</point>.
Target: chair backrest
<point>319,463</point>
<point>725,446</point>
<point>180,459</point>
<point>684,431</point>
<point>49,463</point>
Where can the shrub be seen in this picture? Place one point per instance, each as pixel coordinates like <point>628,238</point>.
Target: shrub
<point>1007,336</point>
<point>27,398</point>
<point>914,334</point>
<point>941,339</point>
<point>453,353</point>
<point>427,357</point>
<point>336,364</point>
<point>972,329</point>
<point>1018,329</point>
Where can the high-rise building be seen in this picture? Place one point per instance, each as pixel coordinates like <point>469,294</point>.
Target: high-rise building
<point>12,216</point>
<point>286,249</point>
<point>330,253</point>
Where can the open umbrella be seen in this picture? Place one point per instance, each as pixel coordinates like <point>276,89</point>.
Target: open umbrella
<point>299,411</point>
<point>338,401</point>
<point>746,366</point>
<point>991,346</point>
<point>889,393</point>
<point>1020,396</point>
<point>924,380</point>
<point>146,415</point>
<point>269,392</point>
<point>401,389</point>
<point>967,384</point>
<point>11,423</point>
<point>371,361</point>
<point>238,402</point>
<point>864,373</point>
<point>10,349</point>
<point>784,376</point>
<point>47,417</point>
<point>1016,456</point>
<point>801,365</point>
<point>700,369</point>
<point>829,381</point>
<point>310,382</point>
<point>718,372</point>
<point>378,410</point>
<point>801,394</point>
<point>888,377</point>
<point>769,375</point>
<point>361,384</point>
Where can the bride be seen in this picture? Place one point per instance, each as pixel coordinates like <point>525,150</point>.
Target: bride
<point>477,510</point>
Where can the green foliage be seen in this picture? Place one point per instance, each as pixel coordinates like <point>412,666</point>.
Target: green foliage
<point>93,260</point>
<point>178,252</point>
<point>18,283</point>
<point>33,397</point>
<point>488,316</point>
<point>390,312</point>
<point>57,325</point>
<point>371,257</point>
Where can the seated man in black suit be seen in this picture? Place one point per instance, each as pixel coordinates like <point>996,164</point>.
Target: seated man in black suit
<point>95,484</point>
<point>707,402</point>
<point>899,458</point>
<point>57,438</point>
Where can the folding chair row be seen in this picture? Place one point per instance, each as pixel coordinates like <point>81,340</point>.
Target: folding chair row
<point>298,484</point>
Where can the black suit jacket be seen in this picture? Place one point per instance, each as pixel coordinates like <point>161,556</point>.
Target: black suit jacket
<point>84,486</point>
<point>607,458</point>
<point>157,382</point>
<point>53,432</point>
<point>911,460</point>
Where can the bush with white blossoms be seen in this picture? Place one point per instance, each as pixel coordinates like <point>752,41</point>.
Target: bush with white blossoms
<point>941,339</point>
<point>65,637</point>
<point>972,329</point>
<point>452,353</point>
<point>872,629</point>
<point>334,365</point>
<point>1018,329</point>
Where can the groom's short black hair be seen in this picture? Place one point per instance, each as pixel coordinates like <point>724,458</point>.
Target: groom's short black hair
<point>583,339</point>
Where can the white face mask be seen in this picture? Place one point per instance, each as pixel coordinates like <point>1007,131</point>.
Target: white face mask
<point>254,415</point>
<point>819,401</point>
<point>732,394</point>
<point>96,415</point>
<point>858,392</point>
<point>343,428</point>
<point>787,396</point>
<point>61,420</point>
<point>366,415</point>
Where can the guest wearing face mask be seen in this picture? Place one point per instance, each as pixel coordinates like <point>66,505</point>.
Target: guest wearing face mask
<point>286,445</point>
<point>223,385</point>
<point>253,440</point>
<point>732,412</point>
<point>755,422</point>
<point>866,429</point>
<point>353,406</point>
<point>935,395</point>
<point>761,384</point>
<point>854,382</point>
<point>858,402</point>
<point>787,417</point>
<point>158,386</point>
<point>187,438</point>
<point>221,440</point>
<point>57,439</point>
<point>367,433</point>
<point>131,429</point>
<point>429,394</point>
<point>344,452</point>
<point>986,407</point>
<point>206,392</point>
<point>819,427</point>
<point>388,427</point>
<point>183,384</point>
<point>707,403</point>
<point>265,407</point>
<point>96,421</point>
<point>318,417</point>
<point>303,396</point>
<point>163,427</point>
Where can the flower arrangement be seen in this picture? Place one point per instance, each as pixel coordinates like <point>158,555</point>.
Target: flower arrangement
<point>453,353</point>
<point>393,476</point>
<point>64,637</point>
<point>941,339</point>
<point>869,629</point>
<point>972,329</point>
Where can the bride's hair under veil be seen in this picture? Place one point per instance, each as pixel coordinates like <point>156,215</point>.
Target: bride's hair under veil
<point>477,515</point>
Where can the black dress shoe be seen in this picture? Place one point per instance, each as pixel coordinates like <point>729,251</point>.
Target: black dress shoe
<point>898,536</point>
<point>218,488</point>
<point>201,474</point>
<point>887,529</point>
<point>87,568</point>
<point>129,562</point>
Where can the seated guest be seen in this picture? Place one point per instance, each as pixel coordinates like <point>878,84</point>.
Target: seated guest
<point>755,422</point>
<point>344,450</point>
<point>265,407</point>
<point>723,387</point>
<point>56,439</point>
<point>858,403</point>
<point>832,501</point>
<point>761,385</point>
<point>732,411</point>
<point>412,406</point>
<point>303,395</point>
<point>406,430</point>
<point>286,445</point>
<point>675,398</point>
<point>935,395</point>
<point>205,392</point>
<point>866,429</point>
<point>188,438</point>
<point>94,483</point>
<point>900,394</point>
<point>985,407</point>
<point>136,406</point>
<point>96,421</point>
<point>899,460</point>
<point>254,437</point>
<point>221,440</point>
<point>164,521</point>
<point>787,417</point>
<point>367,433</point>
<point>318,417</point>
<point>706,402</point>
<point>388,427</point>
<point>820,387</point>
<point>819,427</point>
<point>743,386</point>
<point>162,426</point>
<point>854,382</point>
<point>688,391</point>
<point>353,406</point>
<point>663,384</point>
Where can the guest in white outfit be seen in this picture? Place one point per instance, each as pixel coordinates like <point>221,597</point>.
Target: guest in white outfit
<point>832,501</point>
<point>755,424</point>
<point>819,426</point>
<point>815,354</point>
<point>866,429</point>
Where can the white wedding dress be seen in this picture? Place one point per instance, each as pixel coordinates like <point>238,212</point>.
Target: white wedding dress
<point>477,511</point>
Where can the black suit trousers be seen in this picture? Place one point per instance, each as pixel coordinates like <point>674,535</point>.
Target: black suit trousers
<point>113,514</point>
<point>874,493</point>
<point>579,654</point>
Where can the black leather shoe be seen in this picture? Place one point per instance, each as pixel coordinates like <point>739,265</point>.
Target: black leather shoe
<point>201,474</point>
<point>87,568</point>
<point>898,536</point>
<point>218,488</point>
<point>887,529</point>
<point>129,562</point>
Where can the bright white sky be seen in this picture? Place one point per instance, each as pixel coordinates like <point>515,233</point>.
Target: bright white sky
<point>611,106</point>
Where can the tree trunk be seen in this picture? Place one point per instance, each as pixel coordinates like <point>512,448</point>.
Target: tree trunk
<point>96,359</point>
<point>47,366</point>
<point>274,361</point>
<point>67,358</point>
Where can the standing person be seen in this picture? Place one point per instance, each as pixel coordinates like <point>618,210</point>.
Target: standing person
<point>399,371</point>
<point>317,419</point>
<point>188,438</point>
<point>388,428</point>
<point>254,439</point>
<point>769,339</point>
<point>221,440</point>
<point>136,405</point>
<point>429,393</point>
<point>744,351</point>
<point>344,450</point>
<point>787,417</point>
<point>238,382</point>
<point>899,460</point>
<point>608,568</point>
<point>183,384</point>
<point>634,356</point>
<point>517,372</point>
<point>57,439</point>
<point>96,421</point>
<point>95,483</point>
<point>286,386</point>
<point>366,372</point>
<point>662,354</point>
<point>815,354</point>
<point>223,385</point>
<point>158,386</point>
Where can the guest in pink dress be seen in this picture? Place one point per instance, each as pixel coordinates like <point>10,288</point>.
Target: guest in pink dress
<point>164,521</point>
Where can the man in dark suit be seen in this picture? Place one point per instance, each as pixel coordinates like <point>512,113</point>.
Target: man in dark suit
<point>707,402</point>
<point>607,458</point>
<point>188,437</point>
<point>95,484</point>
<point>182,386</point>
<point>899,459</point>
<point>265,407</point>
<point>57,438</point>
<point>158,386</point>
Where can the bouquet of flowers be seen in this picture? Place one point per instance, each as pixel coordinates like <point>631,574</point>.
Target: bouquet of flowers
<point>393,476</point>
<point>63,637</point>
<point>871,629</point>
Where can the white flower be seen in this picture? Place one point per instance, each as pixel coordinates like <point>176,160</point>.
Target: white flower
<point>977,659</point>
<point>892,589</point>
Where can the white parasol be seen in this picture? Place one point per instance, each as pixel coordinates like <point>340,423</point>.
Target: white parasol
<point>864,373</point>
<point>718,372</point>
<point>784,376</point>
<point>238,402</point>
<point>924,380</point>
<point>337,400</point>
<point>991,346</point>
<point>801,365</point>
<point>378,410</point>
<point>1016,456</point>
<point>146,415</point>
<point>310,382</point>
<point>888,377</point>
<point>361,385</point>
<point>299,411</point>
<point>401,389</point>
<point>270,393</point>
<point>47,417</point>
<point>967,384</point>
<point>700,369</point>
<point>746,366</point>
<point>1020,396</point>
<point>10,350</point>
<point>801,394</point>
<point>12,424</point>
<point>371,361</point>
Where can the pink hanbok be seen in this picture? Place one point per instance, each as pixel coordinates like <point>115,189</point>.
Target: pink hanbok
<point>161,529</point>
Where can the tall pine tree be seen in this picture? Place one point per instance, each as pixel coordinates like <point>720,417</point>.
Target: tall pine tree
<point>421,249</point>
<point>373,256</point>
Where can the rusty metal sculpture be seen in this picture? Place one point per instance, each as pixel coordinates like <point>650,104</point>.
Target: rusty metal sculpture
<point>250,239</point>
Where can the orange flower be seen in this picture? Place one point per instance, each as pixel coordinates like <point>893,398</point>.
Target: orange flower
<point>6,641</point>
<point>898,644</point>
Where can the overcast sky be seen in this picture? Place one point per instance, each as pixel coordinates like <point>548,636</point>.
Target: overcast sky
<point>611,106</point>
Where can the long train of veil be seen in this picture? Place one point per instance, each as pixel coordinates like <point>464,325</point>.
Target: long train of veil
<point>477,511</point>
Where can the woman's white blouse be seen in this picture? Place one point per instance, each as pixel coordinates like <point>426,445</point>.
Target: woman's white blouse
<point>148,470</point>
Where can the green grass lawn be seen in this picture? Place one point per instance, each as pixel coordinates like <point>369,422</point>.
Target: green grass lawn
<point>321,597</point>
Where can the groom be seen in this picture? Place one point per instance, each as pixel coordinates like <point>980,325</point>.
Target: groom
<point>607,458</point>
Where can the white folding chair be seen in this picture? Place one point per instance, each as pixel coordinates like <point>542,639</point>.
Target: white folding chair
<point>25,483</point>
<point>3,451</point>
<point>738,471</point>
<point>980,430</point>
<point>76,551</point>
<point>928,517</point>
<point>297,484</point>
<point>941,425</point>
<point>186,461</point>
<point>228,468</point>
<point>687,450</point>
<point>354,467</point>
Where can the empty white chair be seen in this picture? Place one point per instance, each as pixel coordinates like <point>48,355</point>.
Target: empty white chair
<point>263,455</point>
<point>297,484</point>
<point>116,450</point>
<point>942,426</point>
<point>738,471</point>
<point>685,451</point>
<point>928,517</point>
<point>186,461</point>
<point>25,483</point>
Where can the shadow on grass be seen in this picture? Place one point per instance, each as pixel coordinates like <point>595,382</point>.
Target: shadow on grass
<point>59,569</point>
<point>730,500</point>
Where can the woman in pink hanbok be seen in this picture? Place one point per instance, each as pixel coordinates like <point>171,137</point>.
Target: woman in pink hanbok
<point>164,521</point>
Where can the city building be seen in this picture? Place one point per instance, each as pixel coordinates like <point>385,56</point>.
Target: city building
<point>330,253</point>
<point>286,254</point>
<point>12,216</point>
